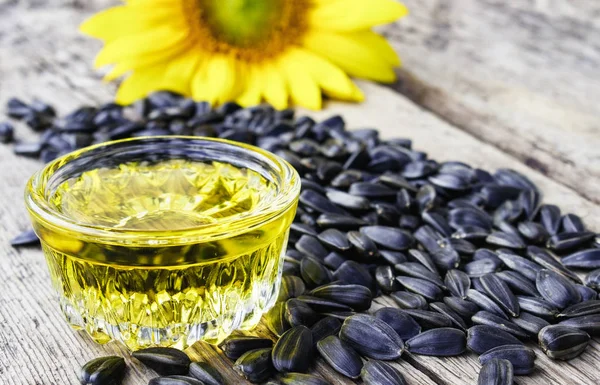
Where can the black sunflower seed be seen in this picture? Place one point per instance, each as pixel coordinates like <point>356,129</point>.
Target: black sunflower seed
<point>372,337</point>
<point>389,237</point>
<point>308,184</point>
<point>356,296</point>
<point>563,342</point>
<point>348,201</point>
<point>442,342</point>
<point>311,246</point>
<point>482,338</point>
<point>392,257</point>
<point>299,313</point>
<point>529,323</point>
<point>581,309</point>
<point>457,282</point>
<point>417,270</point>
<point>352,272</point>
<point>420,286</point>
<point>485,303</point>
<point>537,306</point>
<point>325,327</point>
<point>499,291</point>
<point>533,232</point>
<point>26,238</point>
<point>462,307</point>
<point>376,372</point>
<point>521,357</point>
<point>557,289</point>
<point>233,347</point>
<point>103,371</point>
<point>408,300</point>
<point>291,287</point>
<point>454,317</point>
<point>322,305</point>
<point>333,260</point>
<point>302,379</point>
<point>276,320</point>
<point>587,293</point>
<point>340,222</point>
<point>437,221</point>
<point>518,283</point>
<point>175,380</point>
<point>314,273</point>
<point>371,190</point>
<point>519,264</point>
<point>429,319</point>
<point>588,323</point>
<point>496,372</point>
<point>486,254</point>
<point>165,361</point>
<point>583,259</point>
<point>423,258</point>
<point>363,245</point>
<point>550,218</point>
<point>481,267</point>
<point>385,278</point>
<point>446,258</point>
<point>548,261</point>
<point>494,195</point>
<point>503,239</point>
<point>572,223</point>
<point>402,323</point>
<point>303,229</point>
<point>206,373</point>
<point>292,351</point>
<point>567,241</point>
<point>255,365</point>
<point>593,279</point>
<point>490,319</point>
<point>340,356</point>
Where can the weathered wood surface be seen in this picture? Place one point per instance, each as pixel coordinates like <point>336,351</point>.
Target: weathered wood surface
<point>520,74</point>
<point>42,55</point>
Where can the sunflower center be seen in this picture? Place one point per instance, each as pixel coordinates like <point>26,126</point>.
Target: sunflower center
<point>252,30</point>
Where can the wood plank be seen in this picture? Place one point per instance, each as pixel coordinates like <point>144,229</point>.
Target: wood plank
<point>521,75</point>
<point>36,345</point>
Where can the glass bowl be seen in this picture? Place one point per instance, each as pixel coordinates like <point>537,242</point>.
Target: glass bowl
<point>164,241</point>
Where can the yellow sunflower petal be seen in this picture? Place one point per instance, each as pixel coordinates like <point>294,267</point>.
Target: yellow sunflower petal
<point>215,80</point>
<point>274,86</point>
<point>152,41</point>
<point>351,54</point>
<point>252,94</point>
<point>303,88</point>
<point>330,78</point>
<point>139,84</point>
<point>353,15</point>
<point>180,72</point>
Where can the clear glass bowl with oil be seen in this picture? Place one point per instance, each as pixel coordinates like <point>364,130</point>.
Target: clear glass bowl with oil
<point>164,241</point>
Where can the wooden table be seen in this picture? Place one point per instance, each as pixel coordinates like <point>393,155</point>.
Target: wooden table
<point>490,82</point>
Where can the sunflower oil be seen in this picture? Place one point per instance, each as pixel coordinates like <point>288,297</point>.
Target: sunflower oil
<point>175,293</point>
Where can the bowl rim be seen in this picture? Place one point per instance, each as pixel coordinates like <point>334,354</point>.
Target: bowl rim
<point>287,179</point>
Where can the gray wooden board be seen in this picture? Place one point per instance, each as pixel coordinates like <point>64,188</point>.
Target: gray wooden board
<point>42,55</point>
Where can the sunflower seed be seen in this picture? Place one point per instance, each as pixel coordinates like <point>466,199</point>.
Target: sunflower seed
<point>292,351</point>
<point>333,260</point>
<point>572,223</point>
<point>340,222</point>
<point>175,380</point>
<point>462,307</point>
<point>206,373</point>
<point>275,319</point>
<point>446,258</point>
<point>446,310</point>
<point>344,180</point>
<point>314,273</point>
<point>443,342</point>
<point>339,315</point>
<point>311,246</point>
<point>372,337</point>
<point>587,293</point>
<point>490,319</point>
<point>529,323</point>
<point>416,270</point>
<point>308,184</point>
<point>255,365</point>
<point>340,356</point>
<point>363,245</point>
<point>592,279</point>
<point>303,229</point>
<point>429,319</point>
<point>420,286</point>
<point>521,357</point>
<point>482,338</point>
<point>482,267</point>
<point>319,203</point>
<point>291,287</point>
<point>302,379</point>
<point>547,260</point>
<point>389,237</point>
<point>26,238</point>
<point>371,190</point>
<point>563,342</point>
<point>323,305</point>
<point>325,327</point>
<point>568,241</point>
<point>581,309</point>
<point>537,306</point>
<point>164,361</point>
<point>376,372</point>
<point>518,283</point>
<point>103,371</point>
<point>354,273</point>
<point>298,313</point>
<point>550,218</point>
<point>519,264</point>
<point>392,257</point>
<point>408,300</point>
<point>494,195</point>
<point>557,289</point>
<point>437,221</point>
<point>485,303</point>
<point>384,276</point>
<point>457,282</point>
<point>502,239</point>
<point>402,323</point>
<point>583,259</point>
<point>234,347</point>
<point>358,297</point>
<point>533,231</point>
<point>499,291</point>
<point>496,372</point>
<point>334,239</point>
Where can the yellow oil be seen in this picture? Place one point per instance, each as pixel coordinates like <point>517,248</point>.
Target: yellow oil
<point>166,294</point>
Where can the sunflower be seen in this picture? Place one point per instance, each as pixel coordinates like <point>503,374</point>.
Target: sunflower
<point>281,51</point>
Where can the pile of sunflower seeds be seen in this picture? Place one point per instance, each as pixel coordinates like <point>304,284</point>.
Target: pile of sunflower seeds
<point>473,260</point>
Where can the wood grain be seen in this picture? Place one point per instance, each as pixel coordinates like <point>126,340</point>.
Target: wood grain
<point>42,55</point>
<point>521,75</point>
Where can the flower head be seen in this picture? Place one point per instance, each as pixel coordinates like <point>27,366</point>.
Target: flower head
<point>246,50</point>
